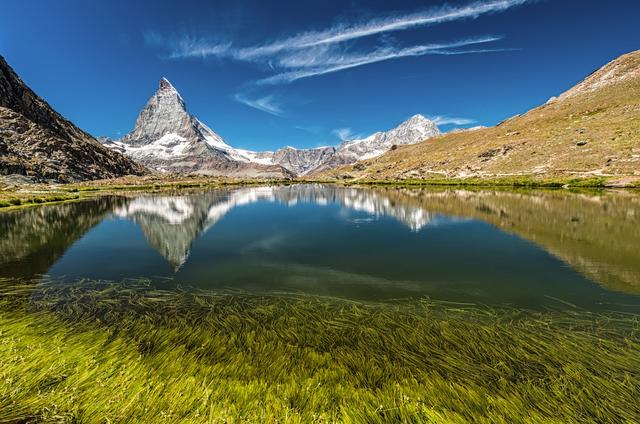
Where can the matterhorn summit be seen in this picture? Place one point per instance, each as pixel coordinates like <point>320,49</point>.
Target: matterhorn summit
<point>168,138</point>
<point>164,115</point>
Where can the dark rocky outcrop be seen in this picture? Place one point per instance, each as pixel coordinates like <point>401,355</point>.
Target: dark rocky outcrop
<point>37,141</point>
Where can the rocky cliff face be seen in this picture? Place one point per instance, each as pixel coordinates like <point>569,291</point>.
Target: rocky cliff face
<point>167,138</point>
<point>301,161</point>
<point>37,141</point>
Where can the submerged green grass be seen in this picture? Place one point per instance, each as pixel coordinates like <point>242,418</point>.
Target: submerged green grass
<point>99,352</point>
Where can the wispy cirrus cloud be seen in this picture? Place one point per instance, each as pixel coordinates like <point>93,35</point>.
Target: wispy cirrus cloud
<point>321,52</point>
<point>309,64</point>
<point>345,133</point>
<point>347,32</point>
<point>451,120</point>
<point>266,104</point>
<point>313,129</point>
<point>187,46</point>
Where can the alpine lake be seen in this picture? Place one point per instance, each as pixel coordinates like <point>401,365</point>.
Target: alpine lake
<point>323,303</point>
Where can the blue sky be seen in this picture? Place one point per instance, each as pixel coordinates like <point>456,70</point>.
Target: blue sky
<point>267,74</point>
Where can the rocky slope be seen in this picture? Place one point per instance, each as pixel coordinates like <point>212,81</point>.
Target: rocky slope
<point>303,161</point>
<point>590,130</point>
<point>167,138</point>
<point>38,142</point>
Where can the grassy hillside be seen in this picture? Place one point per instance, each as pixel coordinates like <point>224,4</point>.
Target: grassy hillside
<point>591,130</point>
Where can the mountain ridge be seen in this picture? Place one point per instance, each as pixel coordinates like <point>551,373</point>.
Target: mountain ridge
<point>414,129</point>
<point>167,138</point>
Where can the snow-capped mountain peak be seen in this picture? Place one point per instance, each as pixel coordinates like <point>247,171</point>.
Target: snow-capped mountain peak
<point>167,137</point>
<point>419,123</point>
<point>305,161</point>
<point>166,85</point>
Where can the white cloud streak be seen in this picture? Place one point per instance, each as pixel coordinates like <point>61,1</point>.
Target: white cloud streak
<point>188,46</point>
<point>330,61</point>
<point>342,33</point>
<point>265,104</point>
<point>344,133</point>
<point>449,120</point>
<point>310,129</point>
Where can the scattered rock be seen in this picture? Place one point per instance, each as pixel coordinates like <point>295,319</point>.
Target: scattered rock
<point>17,180</point>
<point>359,166</point>
<point>488,154</point>
<point>582,143</point>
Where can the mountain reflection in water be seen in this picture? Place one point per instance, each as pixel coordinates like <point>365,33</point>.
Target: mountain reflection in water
<point>595,234</point>
<point>172,223</point>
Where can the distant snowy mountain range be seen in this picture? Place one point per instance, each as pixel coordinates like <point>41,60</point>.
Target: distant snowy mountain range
<point>167,138</point>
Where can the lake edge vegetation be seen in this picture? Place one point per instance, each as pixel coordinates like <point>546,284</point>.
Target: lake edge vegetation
<point>27,195</point>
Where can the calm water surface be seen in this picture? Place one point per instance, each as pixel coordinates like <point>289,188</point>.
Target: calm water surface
<point>525,249</point>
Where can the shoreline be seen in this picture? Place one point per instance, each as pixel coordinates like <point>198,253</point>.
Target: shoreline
<point>36,194</point>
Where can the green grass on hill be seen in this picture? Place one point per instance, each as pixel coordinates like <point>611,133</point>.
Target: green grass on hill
<point>517,182</point>
<point>13,201</point>
<point>97,352</point>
